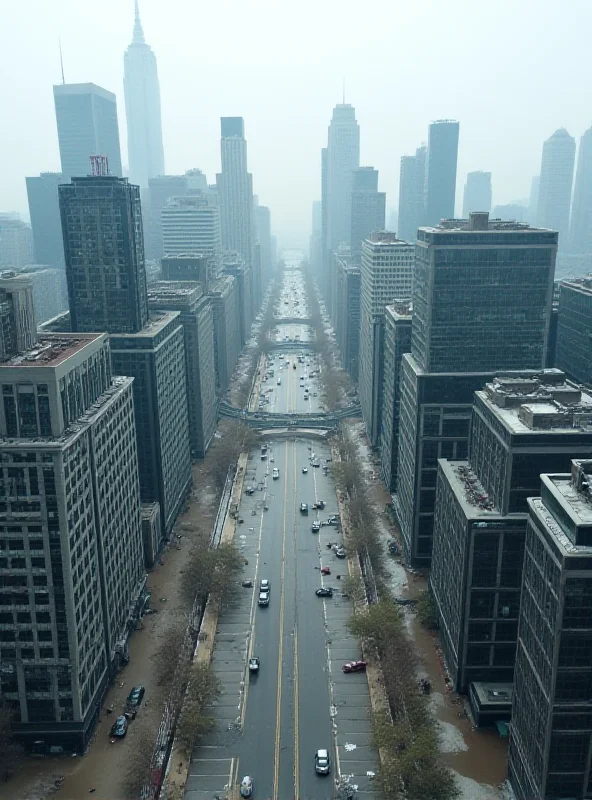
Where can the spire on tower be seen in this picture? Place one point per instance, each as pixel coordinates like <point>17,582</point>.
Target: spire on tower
<point>138,32</point>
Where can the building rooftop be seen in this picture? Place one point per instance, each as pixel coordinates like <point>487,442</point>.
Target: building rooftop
<point>186,256</point>
<point>479,222</point>
<point>493,694</point>
<point>52,349</point>
<point>181,291</point>
<point>543,401</point>
<point>157,321</point>
<point>469,490</point>
<point>582,284</point>
<point>570,522</point>
<point>386,238</point>
<point>400,309</point>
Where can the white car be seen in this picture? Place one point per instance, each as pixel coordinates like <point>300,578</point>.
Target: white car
<point>304,470</point>
<point>246,787</point>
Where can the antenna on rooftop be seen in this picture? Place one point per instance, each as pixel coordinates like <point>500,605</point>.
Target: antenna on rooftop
<point>61,60</point>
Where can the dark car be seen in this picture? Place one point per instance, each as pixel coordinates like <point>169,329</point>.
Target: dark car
<point>324,591</point>
<point>340,552</point>
<point>134,698</point>
<point>354,666</point>
<point>119,727</point>
<point>304,508</point>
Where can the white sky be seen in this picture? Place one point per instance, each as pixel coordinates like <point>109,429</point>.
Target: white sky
<point>511,71</point>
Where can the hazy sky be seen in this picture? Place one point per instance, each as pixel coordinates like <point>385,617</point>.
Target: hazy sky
<point>511,72</point>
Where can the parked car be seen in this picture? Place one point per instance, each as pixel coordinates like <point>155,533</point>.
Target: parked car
<point>322,762</point>
<point>119,727</point>
<point>304,508</point>
<point>340,552</point>
<point>304,470</point>
<point>316,526</point>
<point>254,664</point>
<point>136,695</point>
<point>324,591</point>
<point>275,474</point>
<point>246,787</point>
<point>354,666</point>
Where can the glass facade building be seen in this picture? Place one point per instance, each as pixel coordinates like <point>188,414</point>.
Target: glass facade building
<point>573,353</point>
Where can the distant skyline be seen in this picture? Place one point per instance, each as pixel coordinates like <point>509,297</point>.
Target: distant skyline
<point>283,73</point>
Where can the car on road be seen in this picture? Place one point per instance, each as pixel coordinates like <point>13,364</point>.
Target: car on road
<point>254,664</point>
<point>322,762</point>
<point>304,470</point>
<point>119,727</point>
<point>263,599</point>
<point>136,696</point>
<point>250,490</point>
<point>265,585</point>
<point>276,474</point>
<point>354,666</point>
<point>304,508</point>
<point>316,526</point>
<point>324,591</point>
<point>333,520</point>
<point>340,552</point>
<point>246,787</point>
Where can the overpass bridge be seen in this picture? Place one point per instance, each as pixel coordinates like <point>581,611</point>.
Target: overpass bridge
<point>262,420</point>
<point>285,346</point>
<point>292,321</point>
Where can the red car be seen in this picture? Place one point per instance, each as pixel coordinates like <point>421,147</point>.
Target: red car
<point>355,666</point>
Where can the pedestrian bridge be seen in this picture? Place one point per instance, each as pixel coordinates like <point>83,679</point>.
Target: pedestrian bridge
<point>263,420</point>
<point>292,321</point>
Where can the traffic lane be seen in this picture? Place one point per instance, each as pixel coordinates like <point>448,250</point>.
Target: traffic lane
<point>257,748</point>
<point>315,726</point>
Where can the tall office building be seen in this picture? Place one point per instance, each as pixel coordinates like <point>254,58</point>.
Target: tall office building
<point>191,224</point>
<point>482,303</point>
<point>368,207</point>
<point>196,318</point>
<point>263,234</point>
<point>477,196</point>
<point>243,276</point>
<point>574,329</point>
<point>387,275</point>
<point>72,567</point>
<point>557,166</point>
<point>440,176</point>
<point>142,109</point>
<point>160,190</point>
<point>523,424</point>
<point>235,190</point>
<point>551,735</point>
<point>16,242</point>
<point>580,232</point>
<point>227,336</point>
<point>347,307</point>
<point>533,199</point>
<point>50,291</point>
<point>324,265</point>
<point>314,250</point>
<point>86,116</point>
<point>44,211</point>
<point>104,252</point>
<point>343,157</point>
<point>412,194</point>
<point>18,328</point>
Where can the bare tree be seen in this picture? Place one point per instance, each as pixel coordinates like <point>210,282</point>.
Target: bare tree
<point>10,749</point>
<point>203,688</point>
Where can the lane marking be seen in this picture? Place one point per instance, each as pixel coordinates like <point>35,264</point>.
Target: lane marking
<point>296,620</point>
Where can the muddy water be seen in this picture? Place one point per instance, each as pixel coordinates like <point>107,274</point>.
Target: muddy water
<point>104,766</point>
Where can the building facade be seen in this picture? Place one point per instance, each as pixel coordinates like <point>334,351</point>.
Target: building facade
<point>142,109</point>
<point>554,198</point>
<point>397,342</point>
<point>86,117</point>
<point>16,243</point>
<point>440,175</point>
<point>412,194</point>
<point>191,224</point>
<point>550,741</point>
<point>343,157</point>
<point>104,252</point>
<point>50,291</point>
<point>235,190</point>
<point>386,275</point>
<point>227,339</point>
<point>155,358</point>
<point>368,207</point>
<point>243,275</point>
<point>580,231</point>
<point>44,211</point>
<point>71,562</point>
<point>160,190</point>
<point>477,196</point>
<point>347,320</point>
<point>574,329</point>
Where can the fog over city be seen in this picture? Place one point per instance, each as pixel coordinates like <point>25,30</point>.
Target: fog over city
<point>511,73</point>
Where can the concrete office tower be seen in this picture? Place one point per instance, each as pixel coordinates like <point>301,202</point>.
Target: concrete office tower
<point>263,233</point>
<point>580,232</point>
<point>192,225</point>
<point>477,196</point>
<point>557,166</point>
<point>142,109</point>
<point>50,291</point>
<point>155,358</point>
<point>71,540</point>
<point>235,190</point>
<point>440,177</point>
<point>197,320</point>
<point>397,341</point>
<point>387,275</point>
<point>523,424</point>
<point>412,194</point>
<point>44,210</point>
<point>343,157</point>
<point>188,268</point>
<point>368,207</point>
<point>315,252</point>
<point>243,275</point>
<point>227,339</point>
<point>86,116</point>
<point>347,318</point>
<point>482,303</point>
<point>324,274</point>
<point>574,329</point>
<point>16,242</point>
<point>551,735</point>
<point>161,189</point>
<point>104,251</point>
<point>18,328</point>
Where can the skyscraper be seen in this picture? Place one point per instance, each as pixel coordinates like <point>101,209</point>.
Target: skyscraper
<point>557,167</point>
<point>580,232</point>
<point>412,194</point>
<point>367,208</point>
<point>104,251</point>
<point>191,226</point>
<point>161,190</point>
<point>16,242</point>
<point>44,210</point>
<point>86,116</point>
<point>235,190</point>
<point>263,232</point>
<point>440,176</point>
<point>142,108</point>
<point>343,156</point>
<point>477,196</point>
